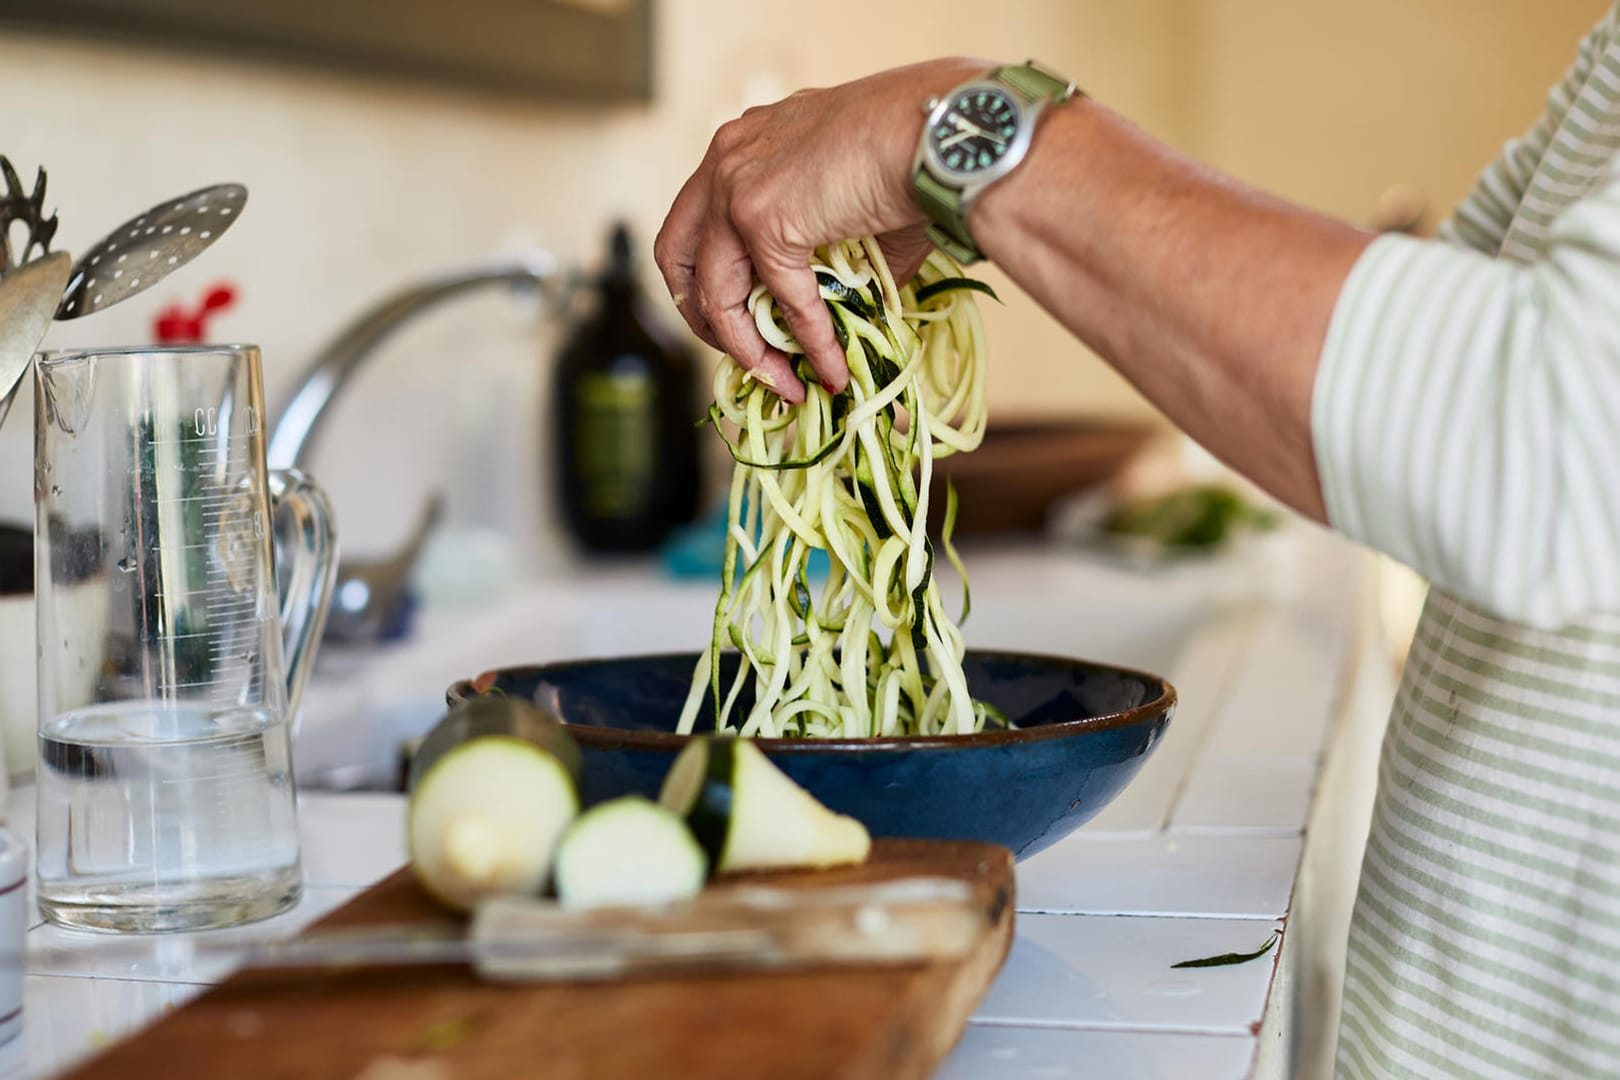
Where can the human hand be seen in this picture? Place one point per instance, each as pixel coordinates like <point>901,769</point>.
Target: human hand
<point>782,179</point>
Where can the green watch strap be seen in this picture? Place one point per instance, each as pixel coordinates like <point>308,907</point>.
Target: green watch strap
<point>1033,83</point>
<point>943,205</point>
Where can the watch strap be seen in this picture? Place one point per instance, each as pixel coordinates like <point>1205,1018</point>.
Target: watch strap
<point>1033,83</point>
<point>943,205</point>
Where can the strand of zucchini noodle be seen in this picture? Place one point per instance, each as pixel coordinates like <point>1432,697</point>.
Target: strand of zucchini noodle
<point>842,474</point>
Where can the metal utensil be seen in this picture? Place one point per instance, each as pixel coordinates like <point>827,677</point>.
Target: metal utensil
<point>28,298</point>
<point>28,208</point>
<point>146,249</point>
<point>522,939</point>
<point>369,600</point>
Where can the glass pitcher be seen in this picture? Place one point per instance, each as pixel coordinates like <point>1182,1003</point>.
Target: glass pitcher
<point>168,672</point>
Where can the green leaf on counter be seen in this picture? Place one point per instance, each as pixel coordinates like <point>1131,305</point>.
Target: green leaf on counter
<point>1203,516</point>
<point>1226,959</point>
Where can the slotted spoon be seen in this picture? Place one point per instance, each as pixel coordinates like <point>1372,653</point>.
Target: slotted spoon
<point>146,249</point>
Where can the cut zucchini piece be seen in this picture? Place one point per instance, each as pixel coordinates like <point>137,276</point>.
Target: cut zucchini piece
<point>491,791</point>
<point>628,852</point>
<point>750,815</point>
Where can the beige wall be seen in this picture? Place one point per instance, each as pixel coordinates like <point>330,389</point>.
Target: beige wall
<point>1332,102</point>
<point>358,186</point>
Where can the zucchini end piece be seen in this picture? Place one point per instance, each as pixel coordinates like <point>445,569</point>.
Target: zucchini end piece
<point>750,815</point>
<point>485,819</point>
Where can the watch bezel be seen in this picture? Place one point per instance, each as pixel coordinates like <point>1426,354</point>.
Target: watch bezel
<point>1017,147</point>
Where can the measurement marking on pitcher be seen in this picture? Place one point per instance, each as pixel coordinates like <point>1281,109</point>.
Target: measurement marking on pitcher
<point>182,547</point>
<point>192,637</point>
<point>234,651</point>
<point>214,597</point>
<point>218,499</point>
<point>201,440</point>
<point>204,430</point>
<point>167,687</point>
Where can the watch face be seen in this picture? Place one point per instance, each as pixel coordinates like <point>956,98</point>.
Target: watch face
<point>975,129</point>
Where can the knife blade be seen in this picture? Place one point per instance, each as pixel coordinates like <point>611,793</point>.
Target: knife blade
<point>522,939</point>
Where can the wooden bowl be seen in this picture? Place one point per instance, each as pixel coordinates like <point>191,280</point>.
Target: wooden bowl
<point>1010,481</point>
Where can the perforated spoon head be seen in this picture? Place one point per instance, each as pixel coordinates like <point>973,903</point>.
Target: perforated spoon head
<point>146,249</point>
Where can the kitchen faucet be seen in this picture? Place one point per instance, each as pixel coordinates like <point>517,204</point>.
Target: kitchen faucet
<point>332,367</point>
<point>369,598</point>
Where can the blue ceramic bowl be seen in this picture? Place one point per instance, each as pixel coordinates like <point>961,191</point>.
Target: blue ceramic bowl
<point>1083,730</point>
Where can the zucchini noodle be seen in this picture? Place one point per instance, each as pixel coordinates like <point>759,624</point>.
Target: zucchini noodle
<point>873,652</point>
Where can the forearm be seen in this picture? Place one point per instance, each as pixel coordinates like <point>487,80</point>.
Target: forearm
<point>1213,299</point>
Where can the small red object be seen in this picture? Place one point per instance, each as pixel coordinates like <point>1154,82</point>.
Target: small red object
<point>174,326</point>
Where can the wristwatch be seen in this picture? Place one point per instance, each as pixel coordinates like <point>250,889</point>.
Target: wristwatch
<point>977,134</point>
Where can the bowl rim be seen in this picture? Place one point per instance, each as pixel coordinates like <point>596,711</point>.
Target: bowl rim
<point>597,736</point>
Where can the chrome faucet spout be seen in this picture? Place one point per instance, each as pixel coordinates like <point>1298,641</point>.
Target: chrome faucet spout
<point>292,440</point>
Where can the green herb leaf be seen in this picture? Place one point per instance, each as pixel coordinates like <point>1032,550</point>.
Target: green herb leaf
<point>927,292</point>
<point>1226,959</point>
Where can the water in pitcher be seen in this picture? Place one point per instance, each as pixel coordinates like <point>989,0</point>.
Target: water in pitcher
<point>183,812</point>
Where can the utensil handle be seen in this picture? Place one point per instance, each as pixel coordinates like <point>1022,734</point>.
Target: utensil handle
<point>310,575</point>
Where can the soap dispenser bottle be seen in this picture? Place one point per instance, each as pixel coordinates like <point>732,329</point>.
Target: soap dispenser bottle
<point>625,407</point>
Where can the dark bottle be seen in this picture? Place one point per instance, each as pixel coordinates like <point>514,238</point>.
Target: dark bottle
<point>625,407</point>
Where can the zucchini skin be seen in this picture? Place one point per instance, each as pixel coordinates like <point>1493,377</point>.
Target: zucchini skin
<point>499,716</point>
<point>709,816</point>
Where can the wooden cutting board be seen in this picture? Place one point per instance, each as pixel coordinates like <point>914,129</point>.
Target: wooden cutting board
<point>442,1023</point>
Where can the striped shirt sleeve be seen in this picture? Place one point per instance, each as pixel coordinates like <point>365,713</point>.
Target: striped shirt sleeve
<point>1481,222</point>
<point>1466,415</point>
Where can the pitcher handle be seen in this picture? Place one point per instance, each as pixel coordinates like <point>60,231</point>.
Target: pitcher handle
<point>311,572</point>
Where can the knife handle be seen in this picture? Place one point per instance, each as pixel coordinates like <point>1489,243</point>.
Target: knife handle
<point>910,921</point>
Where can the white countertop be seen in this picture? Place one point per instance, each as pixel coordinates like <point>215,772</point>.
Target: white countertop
<point>1199,856</point>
